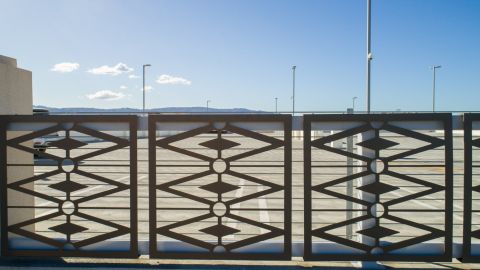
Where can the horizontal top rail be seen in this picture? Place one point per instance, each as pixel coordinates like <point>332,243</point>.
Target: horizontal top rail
<point>243,112</point>
<point>297,123</point>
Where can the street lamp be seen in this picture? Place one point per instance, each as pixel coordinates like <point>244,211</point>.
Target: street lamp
<point>144,66</point>
<point>353,101</point>
<point>208,101</point>
<point>369,50</point>
<point>433,90</point>
<point>293,96</point>
<point>276,105</point>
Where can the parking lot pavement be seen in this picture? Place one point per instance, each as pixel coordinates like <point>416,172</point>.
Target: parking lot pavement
<point>120,158</point>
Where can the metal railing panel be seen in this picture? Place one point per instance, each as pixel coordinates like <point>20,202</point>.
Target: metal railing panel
<point>471,232</point>
<point>56,201</point>
<point>379,187</point>
<point>231,185</point>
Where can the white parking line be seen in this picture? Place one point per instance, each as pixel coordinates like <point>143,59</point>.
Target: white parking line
<point>230,222</point>
<point>264,216</point>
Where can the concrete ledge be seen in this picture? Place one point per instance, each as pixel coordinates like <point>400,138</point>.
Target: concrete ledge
<point>145,263</point>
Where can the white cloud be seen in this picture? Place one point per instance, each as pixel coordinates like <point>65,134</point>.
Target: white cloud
<point>106,95</point>
<point>148,88</point>
<point>167,79</point>
<point>118,69</point>
<point>133,76</point>
<point>123,87</point>
<point>65,67</point>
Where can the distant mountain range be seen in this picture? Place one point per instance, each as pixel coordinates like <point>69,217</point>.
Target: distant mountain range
<point>133,110</point>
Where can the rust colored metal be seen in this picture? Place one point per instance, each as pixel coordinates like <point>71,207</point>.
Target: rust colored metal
<point>377,249</point>
<point>470,189</point>
<point>203,208</point>
<point>63,208</point>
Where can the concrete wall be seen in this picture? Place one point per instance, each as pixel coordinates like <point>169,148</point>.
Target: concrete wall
<point>15,88</point>
<point>16,98</point>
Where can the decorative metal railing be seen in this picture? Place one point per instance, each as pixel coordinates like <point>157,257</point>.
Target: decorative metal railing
<point>227,168</point>
<point>471,231</point>
<point>345,187</point>
<point>66,206</point>
<point>381,188</point>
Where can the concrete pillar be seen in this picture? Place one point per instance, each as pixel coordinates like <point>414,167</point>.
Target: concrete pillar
<point>365,196</point>
<point>16,98</point>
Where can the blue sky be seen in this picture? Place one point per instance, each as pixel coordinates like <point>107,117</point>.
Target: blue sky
<point>240,53</point>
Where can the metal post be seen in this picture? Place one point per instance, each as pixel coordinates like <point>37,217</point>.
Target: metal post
<point>208,101</point>
<point>433,96</point>
<point>369,51</point>
<point>353,104</point>
<point>433,90</point>
<point>365,196</point>
<point>276,105</point>
<point>350,183</point>
<point>146,65</point>
<point>293,96</point>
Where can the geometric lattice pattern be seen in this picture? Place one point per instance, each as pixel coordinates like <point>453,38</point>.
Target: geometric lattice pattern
<point>471,231</point>
<point>403,182</point>
<point>229,198</point>
<point>63,203</point>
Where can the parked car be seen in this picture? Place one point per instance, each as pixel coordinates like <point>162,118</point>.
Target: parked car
<point>41,143</point>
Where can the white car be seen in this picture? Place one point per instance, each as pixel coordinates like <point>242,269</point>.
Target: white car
<point>41,143</point>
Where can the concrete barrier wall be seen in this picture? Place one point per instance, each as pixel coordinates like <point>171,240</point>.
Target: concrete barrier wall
<point>16,98</point>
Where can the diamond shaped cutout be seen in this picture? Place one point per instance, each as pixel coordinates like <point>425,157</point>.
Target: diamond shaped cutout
<point>219,144</point>
<point>377,232</point>
<point>67,144</point>
<point>377,188</point>
<point>68,186</point>
<point>219,187</point>
<point>377,144</point>
<point>68,228</point>
<point>219,230</point>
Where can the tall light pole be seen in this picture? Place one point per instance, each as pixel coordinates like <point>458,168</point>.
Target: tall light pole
<point>433,90</point>
<point>144,66</point>
<point>353,103</point>
<point>208,101</point>
<point>293,96</point>
<point>276,105</point>
<point>369,50</point>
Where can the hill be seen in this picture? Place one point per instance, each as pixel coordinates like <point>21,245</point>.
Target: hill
<point>158,110</point>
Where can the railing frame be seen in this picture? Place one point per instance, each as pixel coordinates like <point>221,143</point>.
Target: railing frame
<point>471,123</point>
<point>368,131</point>
<point>230,125</point>
<point>297,247</point>
<point>85,124</point>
